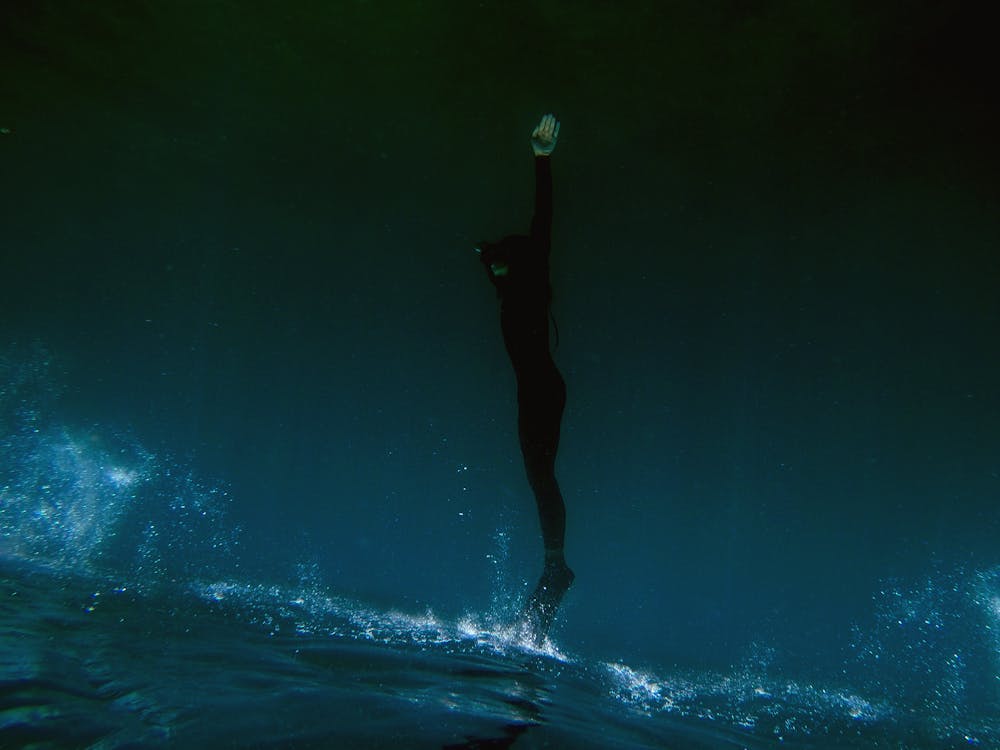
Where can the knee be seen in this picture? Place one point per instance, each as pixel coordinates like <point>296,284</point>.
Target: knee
<point>542,476</point>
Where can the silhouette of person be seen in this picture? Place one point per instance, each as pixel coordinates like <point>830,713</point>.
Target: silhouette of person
<point>518,266</point>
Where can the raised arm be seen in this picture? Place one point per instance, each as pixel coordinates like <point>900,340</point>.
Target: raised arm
<point>543,143</point>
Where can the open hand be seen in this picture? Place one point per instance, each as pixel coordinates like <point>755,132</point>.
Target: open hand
<point>545,135</point>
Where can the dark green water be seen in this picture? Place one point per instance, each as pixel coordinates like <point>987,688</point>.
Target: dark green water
<point>244,336</point>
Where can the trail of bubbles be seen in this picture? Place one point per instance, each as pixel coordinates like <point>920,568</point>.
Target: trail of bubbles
<point>313,611</point>
<point>767,706</point>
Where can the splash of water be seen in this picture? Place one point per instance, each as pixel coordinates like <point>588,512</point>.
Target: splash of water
<point>934,647</point>
<point>94,500</point>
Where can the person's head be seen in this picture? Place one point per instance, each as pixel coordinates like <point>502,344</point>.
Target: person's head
<point>493,257</point>
<point>497,256</point>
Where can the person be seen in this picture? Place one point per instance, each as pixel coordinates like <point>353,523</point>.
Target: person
<point>518,266</point>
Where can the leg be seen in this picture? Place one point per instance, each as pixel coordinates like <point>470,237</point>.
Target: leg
<point>539,420</point>
<point>539,464</point>
<point>541,401</point>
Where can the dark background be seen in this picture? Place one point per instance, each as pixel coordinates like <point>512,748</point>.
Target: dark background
<point>244,231</point>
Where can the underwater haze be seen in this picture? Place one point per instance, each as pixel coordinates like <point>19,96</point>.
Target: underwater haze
<point>260,483</point>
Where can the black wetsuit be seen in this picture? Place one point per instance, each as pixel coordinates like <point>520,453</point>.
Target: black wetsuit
<point>525,294</point>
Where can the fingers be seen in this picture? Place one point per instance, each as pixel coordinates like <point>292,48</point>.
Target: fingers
<point>548,128</point>
<point>547,125</point>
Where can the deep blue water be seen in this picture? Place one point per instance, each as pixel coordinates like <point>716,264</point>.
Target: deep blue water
<point>131,616</point>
